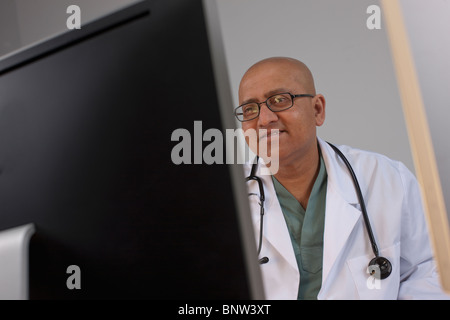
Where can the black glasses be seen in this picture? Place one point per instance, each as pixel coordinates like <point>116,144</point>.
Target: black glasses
<point>276,103</point>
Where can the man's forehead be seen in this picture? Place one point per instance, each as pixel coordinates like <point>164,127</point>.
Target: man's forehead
<point>268,83</point>
<point>274,73</point>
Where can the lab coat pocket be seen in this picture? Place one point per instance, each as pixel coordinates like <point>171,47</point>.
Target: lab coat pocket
<point>371,287</point>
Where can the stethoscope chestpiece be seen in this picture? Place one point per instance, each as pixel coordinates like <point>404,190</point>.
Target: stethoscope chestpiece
<point>382,264</point>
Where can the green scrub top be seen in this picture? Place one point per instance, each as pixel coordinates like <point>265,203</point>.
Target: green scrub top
<point>306,232</point>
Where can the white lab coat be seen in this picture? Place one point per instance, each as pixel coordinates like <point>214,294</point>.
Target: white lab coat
<point>396,215</point>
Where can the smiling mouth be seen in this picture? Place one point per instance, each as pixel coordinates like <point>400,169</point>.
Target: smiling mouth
<point>271,134</point>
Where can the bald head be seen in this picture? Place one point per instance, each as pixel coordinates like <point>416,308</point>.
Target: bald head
<point>264,83</point>
<point>296,70</point>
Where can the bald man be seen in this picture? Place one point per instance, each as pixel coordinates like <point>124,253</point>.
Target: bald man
<point>314,242</point>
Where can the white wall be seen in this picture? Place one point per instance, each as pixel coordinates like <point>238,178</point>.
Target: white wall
<point>351,64</point>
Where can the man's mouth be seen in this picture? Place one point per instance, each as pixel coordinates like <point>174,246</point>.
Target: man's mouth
<point>274,133</point>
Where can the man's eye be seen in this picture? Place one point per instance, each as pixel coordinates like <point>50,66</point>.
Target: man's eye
<point>250,110</point>
<point>278,99</point>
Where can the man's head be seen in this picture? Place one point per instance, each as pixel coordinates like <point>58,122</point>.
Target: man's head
<point>297,125</point>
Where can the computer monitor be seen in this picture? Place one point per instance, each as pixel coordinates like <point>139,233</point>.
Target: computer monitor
<point>86,126</point>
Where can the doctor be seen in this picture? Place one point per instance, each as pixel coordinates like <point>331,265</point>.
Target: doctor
<point>315,244</point>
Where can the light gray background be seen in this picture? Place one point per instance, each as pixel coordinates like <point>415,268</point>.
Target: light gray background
<point>428,25</point>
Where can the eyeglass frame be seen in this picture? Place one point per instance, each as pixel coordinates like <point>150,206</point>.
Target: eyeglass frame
<point>293,96</point>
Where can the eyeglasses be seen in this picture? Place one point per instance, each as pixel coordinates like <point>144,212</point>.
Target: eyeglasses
<point>276,103</point>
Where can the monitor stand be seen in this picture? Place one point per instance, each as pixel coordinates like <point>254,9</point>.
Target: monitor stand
<point>14,244</point>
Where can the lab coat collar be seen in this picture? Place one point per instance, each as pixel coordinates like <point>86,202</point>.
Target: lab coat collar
<point>338,173</point>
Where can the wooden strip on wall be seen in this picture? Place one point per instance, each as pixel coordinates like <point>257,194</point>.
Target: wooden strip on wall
<point>420,138</point>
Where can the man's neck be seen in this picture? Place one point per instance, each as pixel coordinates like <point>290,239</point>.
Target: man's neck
<point>299,177</point>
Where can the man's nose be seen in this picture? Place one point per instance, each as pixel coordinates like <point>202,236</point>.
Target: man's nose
<point>266,116</point>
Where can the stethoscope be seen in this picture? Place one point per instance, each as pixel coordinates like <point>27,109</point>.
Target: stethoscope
<point>378,264</point>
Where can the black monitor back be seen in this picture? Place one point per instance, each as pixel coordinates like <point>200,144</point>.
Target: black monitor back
<point>86,121</point>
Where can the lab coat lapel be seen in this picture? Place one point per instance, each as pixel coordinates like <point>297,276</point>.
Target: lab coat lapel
<point>341,213</point>
<point>340,219</point>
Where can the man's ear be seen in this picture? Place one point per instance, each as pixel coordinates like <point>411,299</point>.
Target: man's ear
<point>319,109</point>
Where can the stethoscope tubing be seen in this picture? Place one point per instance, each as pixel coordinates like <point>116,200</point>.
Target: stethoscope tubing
<point>360,199</point>
<point>380,261</point>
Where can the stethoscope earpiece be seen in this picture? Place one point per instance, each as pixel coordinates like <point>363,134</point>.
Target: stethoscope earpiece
<point>263,260</point>
<point>382,264</point>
